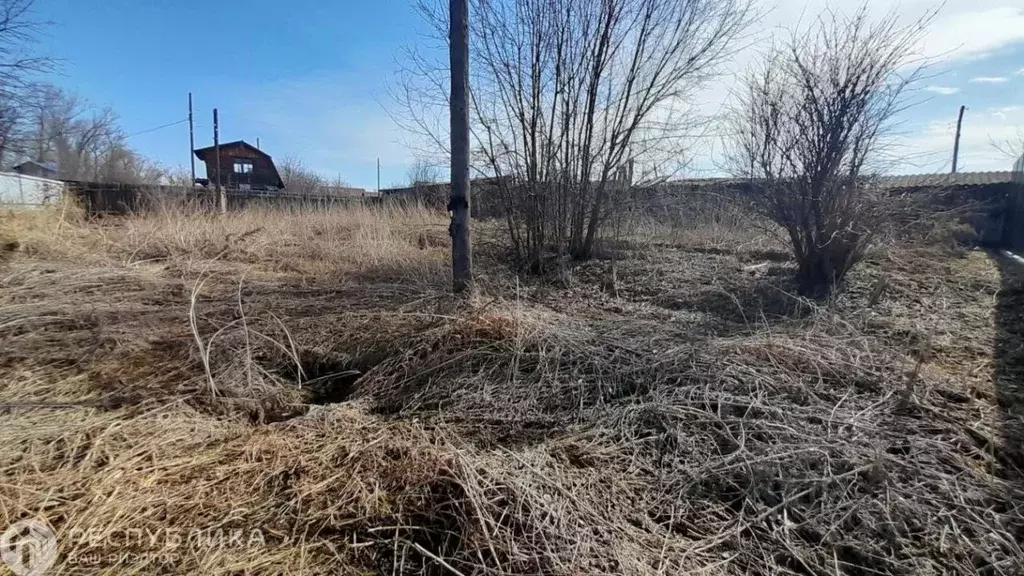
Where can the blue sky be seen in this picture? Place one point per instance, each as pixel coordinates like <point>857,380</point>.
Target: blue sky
<point>309,78</point>
<point>306,77</point>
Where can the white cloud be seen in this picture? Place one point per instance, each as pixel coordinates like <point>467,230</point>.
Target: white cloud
<point>944,90</point>
<point>960,31</point>
<point>1020,72</point>
<point>989,79</point>
<point>976,32</point>
<point>1004,112</point>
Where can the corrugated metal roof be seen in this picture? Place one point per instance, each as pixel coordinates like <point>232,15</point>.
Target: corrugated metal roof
<point>945,180</point>
<point>48,166</point>
<point>888,182</point>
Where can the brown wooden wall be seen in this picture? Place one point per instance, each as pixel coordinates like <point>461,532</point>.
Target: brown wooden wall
<point>262,176</point>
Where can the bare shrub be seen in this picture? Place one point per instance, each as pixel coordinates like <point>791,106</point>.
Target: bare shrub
<point>573,102</point>
<point>809,126</point>
<point>422,172</point>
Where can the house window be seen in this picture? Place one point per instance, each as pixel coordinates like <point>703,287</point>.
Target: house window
<point>243,167</point>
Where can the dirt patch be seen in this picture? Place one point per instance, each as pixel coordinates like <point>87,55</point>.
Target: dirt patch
<point>329,380</point>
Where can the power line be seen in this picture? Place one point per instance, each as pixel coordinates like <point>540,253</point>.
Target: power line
<point>158,128</point>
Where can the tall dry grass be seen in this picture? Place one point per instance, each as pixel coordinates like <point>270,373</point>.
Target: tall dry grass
<point>308,238</point>
<point>310,241</point>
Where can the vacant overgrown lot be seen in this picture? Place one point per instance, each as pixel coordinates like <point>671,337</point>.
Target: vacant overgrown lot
<point>306,379</point>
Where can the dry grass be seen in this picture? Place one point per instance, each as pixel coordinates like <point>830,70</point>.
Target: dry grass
<point>304,375</point>
<point>726,228</point>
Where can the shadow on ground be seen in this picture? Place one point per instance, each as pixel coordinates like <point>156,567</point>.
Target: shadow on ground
<point>1008,376</point>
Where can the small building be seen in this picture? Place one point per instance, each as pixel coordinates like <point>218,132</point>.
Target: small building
<point>38,169</point>
<point>242,167</point>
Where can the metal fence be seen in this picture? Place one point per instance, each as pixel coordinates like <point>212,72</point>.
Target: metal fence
<point>18,191</point>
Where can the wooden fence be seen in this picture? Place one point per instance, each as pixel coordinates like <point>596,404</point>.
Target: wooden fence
<point>105,198</point>
<point>996,208</point>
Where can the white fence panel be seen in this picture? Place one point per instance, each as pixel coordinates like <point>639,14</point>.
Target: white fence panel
<point>28,192</point>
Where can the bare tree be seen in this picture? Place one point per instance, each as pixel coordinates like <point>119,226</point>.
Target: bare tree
<point>298,179</point>
<point>422,172</point>
<point>569,97</point>
<point>68,131</point>
<point>122,164</point>
<point>1012,149</point>
<point>46,124</point>
<point>11,124</point>
<point>83,139</point>
<point>810,122</point>
<point>19,32</point>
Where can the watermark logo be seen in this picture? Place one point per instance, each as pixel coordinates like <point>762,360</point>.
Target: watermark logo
<point>29,547</point>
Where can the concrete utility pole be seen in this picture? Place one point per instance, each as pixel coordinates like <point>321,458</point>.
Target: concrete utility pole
<point>956,142</point>
<point>222,197</point>
<point>462,254</point>
<point>191,141</point>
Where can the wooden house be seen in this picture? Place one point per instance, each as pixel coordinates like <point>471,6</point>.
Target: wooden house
<point>242,167</point>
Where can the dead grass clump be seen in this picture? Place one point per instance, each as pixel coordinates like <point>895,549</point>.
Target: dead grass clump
<point>49,232</point>
<point>168,489</point>
<point>816,459</point>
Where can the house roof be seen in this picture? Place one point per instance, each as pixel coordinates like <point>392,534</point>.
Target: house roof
<point>202,152</point>
<point>45,166</point>
<point>946,180</point>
